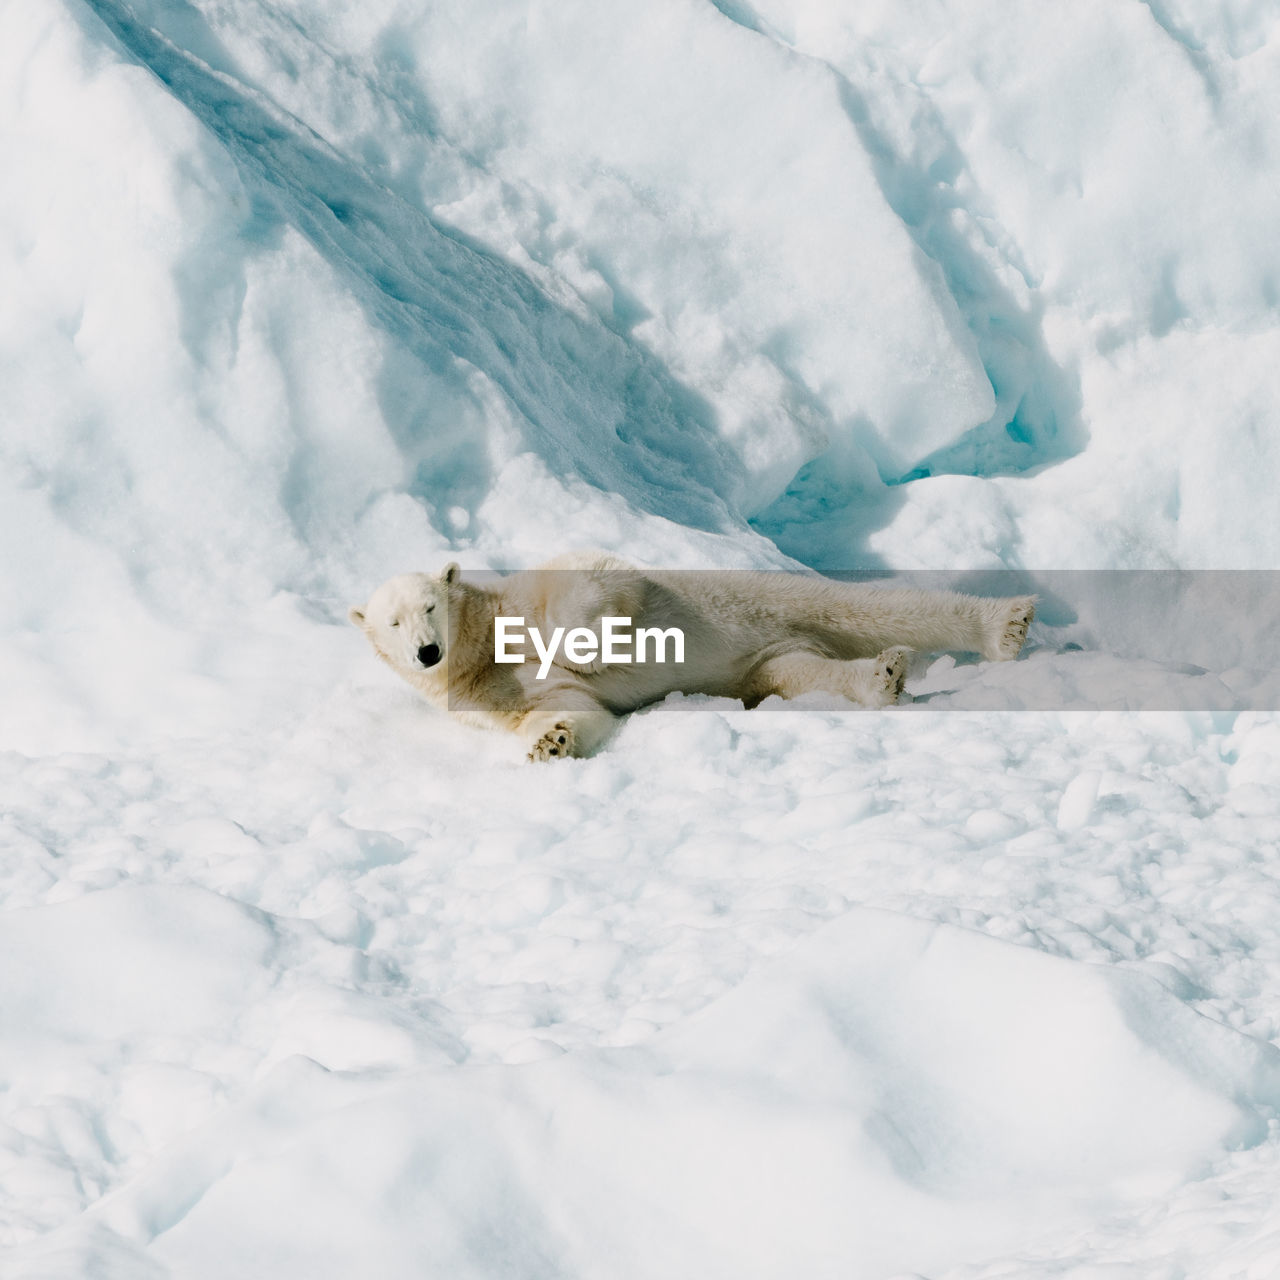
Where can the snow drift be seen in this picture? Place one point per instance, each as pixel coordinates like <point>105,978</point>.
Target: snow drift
<point>889,1095</point>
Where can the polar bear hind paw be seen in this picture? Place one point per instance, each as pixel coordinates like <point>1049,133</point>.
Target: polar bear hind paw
<point>1011,631</point>
<point>557,742</point>
<point>890,675</point>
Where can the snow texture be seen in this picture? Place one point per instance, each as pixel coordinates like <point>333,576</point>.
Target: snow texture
<point>300,979</point>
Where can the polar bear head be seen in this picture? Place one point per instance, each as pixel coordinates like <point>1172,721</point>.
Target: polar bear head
<point>406,621</point>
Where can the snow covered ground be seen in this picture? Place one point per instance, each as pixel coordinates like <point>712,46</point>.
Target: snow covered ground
<point>298,978</point>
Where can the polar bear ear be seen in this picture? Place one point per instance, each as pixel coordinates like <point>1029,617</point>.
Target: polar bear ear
<point>356,616</point>
<point>451,574</point>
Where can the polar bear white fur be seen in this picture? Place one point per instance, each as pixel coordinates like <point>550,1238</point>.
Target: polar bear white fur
<point>747,636</point>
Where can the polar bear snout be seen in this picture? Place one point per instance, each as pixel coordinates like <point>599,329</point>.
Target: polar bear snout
<point>428,654</point>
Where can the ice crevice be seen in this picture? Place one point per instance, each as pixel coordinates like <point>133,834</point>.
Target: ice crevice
<point>973,258</point>
<point>1187,42</point>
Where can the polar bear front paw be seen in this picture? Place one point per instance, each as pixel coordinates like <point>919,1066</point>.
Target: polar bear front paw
<point>555,743</point>
<point>889,676</point>
<point>1011,630</point>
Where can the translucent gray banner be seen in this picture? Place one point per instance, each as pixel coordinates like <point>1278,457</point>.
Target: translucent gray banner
<point>1125,640</point>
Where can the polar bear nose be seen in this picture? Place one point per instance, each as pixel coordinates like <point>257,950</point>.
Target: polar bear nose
<point>429,654</point>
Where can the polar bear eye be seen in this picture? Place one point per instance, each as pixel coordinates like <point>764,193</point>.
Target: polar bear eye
<point>395,622</point>
<point>431,608</point>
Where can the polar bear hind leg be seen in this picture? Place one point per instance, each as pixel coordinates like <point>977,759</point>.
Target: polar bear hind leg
<point>869,682</point>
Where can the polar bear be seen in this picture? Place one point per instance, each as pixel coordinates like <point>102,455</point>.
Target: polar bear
<point>746,635</point>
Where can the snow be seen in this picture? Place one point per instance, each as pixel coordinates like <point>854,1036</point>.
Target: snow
<point>300,978</point>
<point>829,1111</point>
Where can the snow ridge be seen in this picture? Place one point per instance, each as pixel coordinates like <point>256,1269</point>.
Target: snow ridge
<point>589,402</point>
